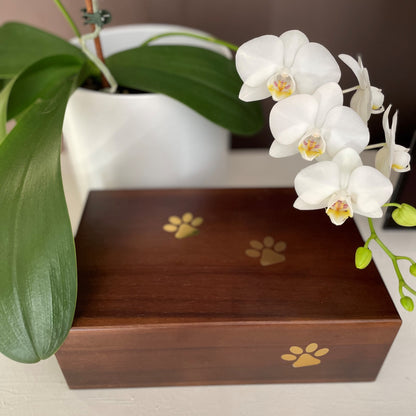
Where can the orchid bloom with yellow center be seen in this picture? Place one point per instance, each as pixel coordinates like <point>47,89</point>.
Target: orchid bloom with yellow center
<point>316,125</point>
<point>367,99</point>
<point>343,187</point>
<point>391,155</point>
<point>280,66</point>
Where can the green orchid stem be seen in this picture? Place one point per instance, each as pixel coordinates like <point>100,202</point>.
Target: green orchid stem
<point>68,18</point>
<point>101,66</point>
<point>411,261</point>
<point>393,258</point>
<point>192,35</point>
<point>392,204</point>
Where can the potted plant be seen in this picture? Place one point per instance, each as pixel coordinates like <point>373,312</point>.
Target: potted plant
<point>127,140</point>
<point>39,72</point>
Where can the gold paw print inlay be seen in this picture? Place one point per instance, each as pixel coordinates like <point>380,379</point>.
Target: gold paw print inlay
<point>268,251</point>
<point>305,358</point>
<point>183,227</point>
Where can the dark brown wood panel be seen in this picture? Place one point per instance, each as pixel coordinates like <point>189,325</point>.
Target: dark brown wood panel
<point>157,310</point>
<point>130,267</point>
<point>222,354</point>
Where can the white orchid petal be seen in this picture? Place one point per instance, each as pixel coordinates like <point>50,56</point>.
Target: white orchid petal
<point>401,170</point>
<point>301,204</point>
<point>342,128</point>
<point>281,150</point>
<point>316,183</point>
<point>377,98</point>
<point>354,66</point>
<point>386,126</point>
<point>314,66</point>
<point>383,161</point>
<point>324,157</point>
<point>261,76</point>
<point>392,156</point>
<point>248,93</point>
<point>259,53</point>
<point>393,128</point>
<point>292,117</point>
<point>369,189</point>
<point>401,159</point>
<point>361,103</point>
<point>399,148</point>
<point>328,96</point>
<point>366,79</point>
<point>347,160</point>
<point>377,213</point>
<point>292,40</point>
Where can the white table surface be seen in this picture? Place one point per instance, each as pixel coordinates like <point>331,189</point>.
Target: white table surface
<point>40,389</point>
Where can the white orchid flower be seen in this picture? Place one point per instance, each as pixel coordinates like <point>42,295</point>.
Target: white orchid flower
<point>392,155</point>
<point>343,186</point>
<point>366,100</point>
<point>281,66</point>
<point>316,124</point>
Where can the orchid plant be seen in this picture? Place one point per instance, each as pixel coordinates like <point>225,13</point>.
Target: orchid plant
<point>39,72</point>
<point>310,119</point>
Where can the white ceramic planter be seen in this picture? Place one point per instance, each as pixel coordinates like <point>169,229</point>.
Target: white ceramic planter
<point>143,140</point>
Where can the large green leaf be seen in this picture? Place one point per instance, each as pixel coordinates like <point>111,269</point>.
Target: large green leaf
<point>38,78</point>
<point>37,255</point>
<point>4,97</point>
<point>203,80</point>
<point>22,45</point>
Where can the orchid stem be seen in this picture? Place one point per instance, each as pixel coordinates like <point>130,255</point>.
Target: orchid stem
<point>350,89</point>
<point>68,18</point>
<point>393,258</point>
<point>392,204</point>
<point>406,258</point>
<point>192,35</point>
<point>112,83</point>
<point>100,65</point>
<point>92,7</point>
<point>374,146</point>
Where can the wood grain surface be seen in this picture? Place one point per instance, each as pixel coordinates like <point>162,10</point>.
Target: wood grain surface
<point>156,310</point>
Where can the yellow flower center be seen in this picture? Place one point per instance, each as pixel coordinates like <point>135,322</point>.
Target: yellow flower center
<point>281,85</point>
<point>311,145</point>
<point>339,211</point>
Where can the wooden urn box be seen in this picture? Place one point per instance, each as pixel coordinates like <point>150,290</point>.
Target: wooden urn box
<point>227,286</point>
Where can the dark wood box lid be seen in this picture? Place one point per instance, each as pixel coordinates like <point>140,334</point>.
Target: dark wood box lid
<point>133,271</point>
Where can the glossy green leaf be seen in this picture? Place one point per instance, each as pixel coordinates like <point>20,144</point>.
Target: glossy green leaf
<point>38,78</point>
<point>22,45</point>
<point>4,97</point>
<point>37,262</point>
<point>203,80</point>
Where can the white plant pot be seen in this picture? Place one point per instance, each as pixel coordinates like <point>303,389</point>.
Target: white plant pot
<point>142,140</point>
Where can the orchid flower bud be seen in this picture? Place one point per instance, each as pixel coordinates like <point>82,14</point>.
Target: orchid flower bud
<point>407,303</point>
<point>405,215</point>
<point>363,257</point>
